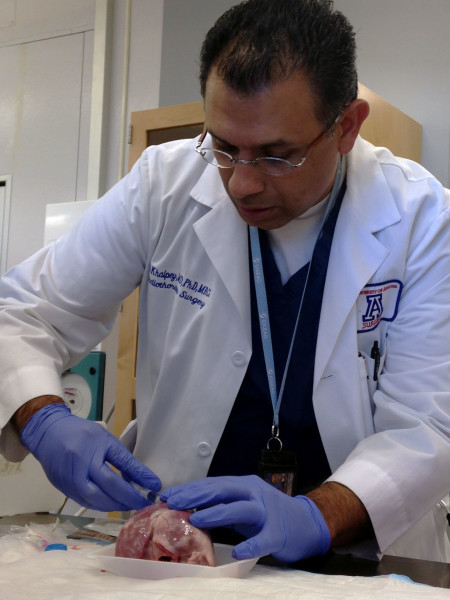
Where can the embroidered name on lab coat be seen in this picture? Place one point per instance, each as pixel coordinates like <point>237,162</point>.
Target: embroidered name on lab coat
<point>378,302</point>
<point>193,291</point>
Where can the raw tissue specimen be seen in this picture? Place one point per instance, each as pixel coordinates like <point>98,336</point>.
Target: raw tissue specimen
<point>159,533</point>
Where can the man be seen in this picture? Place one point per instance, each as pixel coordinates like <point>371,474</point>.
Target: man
<point>342,388</point>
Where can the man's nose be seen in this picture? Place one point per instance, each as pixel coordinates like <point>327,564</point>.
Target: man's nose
<point>245,180</point>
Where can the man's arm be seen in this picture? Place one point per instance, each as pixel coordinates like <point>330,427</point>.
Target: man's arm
<point>344,513</point>
<point>27,410</point>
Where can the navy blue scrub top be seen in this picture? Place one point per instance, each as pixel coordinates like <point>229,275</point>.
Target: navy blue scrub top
<point>249,424</point>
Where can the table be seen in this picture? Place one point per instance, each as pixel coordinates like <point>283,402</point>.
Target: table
<point>421,571</point>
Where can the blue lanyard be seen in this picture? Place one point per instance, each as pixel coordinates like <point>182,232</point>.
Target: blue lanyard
<point>263,311</point>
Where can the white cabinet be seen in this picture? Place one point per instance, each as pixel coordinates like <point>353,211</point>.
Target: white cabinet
<point>44,127</point>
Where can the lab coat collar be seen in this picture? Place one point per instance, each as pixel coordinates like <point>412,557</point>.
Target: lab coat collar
<point>209,189</point>
<point>368,191</point>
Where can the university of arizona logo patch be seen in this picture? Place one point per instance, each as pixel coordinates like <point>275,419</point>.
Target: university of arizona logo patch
<point>378,302</point>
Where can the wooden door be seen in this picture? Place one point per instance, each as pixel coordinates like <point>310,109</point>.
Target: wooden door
<point>386,126</point>
<point>390,127</point>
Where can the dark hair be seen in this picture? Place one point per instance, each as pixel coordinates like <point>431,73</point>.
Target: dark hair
<point>258,42</point>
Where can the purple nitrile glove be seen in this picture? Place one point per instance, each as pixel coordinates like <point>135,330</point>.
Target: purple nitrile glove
<point>288,528</point>
<point>75,453</point>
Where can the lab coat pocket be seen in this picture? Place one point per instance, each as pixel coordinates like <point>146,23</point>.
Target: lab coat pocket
<point>370,369</point>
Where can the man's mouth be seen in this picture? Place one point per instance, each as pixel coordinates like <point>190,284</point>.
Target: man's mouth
<point>251,214</point>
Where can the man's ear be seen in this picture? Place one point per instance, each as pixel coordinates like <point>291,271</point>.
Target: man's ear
<point>350,123</point>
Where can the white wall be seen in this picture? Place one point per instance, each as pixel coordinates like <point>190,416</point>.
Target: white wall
<point>144,72</point>
<point>44,114</point>
<point>403,56</point>
<point>185,26</point>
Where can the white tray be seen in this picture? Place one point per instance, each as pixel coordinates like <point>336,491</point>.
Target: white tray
<point>137,568</point>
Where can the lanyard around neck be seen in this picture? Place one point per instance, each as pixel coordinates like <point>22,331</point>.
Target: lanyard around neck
<point>263,310</point>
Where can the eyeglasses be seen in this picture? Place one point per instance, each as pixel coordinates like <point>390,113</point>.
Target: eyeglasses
<point>266,164</point>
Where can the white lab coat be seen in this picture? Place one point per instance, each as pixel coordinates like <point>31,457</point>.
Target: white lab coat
<point>170,227</point>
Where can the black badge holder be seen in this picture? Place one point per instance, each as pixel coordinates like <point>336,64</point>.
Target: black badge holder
<point>278,467</point>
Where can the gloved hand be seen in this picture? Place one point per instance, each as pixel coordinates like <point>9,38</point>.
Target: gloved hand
<point>288,528</point>
<point>74,453</point>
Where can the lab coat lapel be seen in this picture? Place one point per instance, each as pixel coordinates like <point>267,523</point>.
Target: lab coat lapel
<point>356,253</point>
<point>224,237</point>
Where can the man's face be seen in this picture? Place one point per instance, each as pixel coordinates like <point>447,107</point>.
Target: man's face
<point>278,121</point>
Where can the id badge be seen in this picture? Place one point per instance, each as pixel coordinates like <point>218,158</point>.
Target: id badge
<point>279,468</point>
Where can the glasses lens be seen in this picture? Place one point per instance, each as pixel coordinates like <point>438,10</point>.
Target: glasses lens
<point>222,159</point>
<point>270,166</point>
<point>273,166</point>
<point>216,157</point>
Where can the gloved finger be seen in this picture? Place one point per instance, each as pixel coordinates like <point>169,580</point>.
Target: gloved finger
<point>70,493</point>
<point>113,486</point>
<point>94,482</point>
<point>206,492</point>
<point>94,498</point>
<point>88,495</point>
<point>242,512</point>
<point>133,469</point>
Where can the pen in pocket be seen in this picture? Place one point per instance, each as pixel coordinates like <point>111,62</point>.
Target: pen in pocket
<point>375,354</point>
